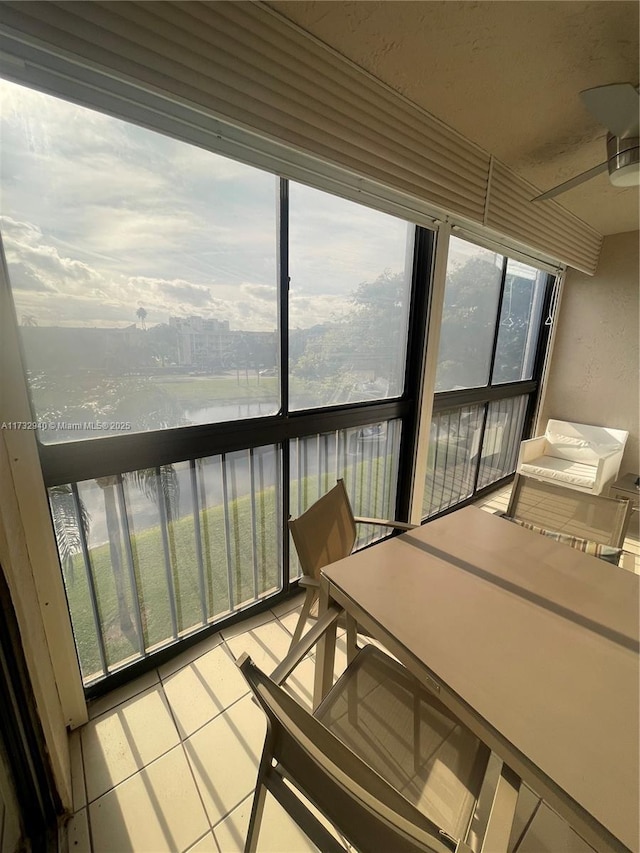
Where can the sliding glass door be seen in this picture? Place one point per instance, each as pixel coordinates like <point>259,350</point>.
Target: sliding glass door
<point>207,347</point>
<point>492,341</point>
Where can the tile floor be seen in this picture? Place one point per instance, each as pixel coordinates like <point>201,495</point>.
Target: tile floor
<point>168,762</point>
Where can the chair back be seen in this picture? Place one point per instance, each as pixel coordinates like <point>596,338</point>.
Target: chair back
<point>602,520</point>
<point>326,532</point>
<point>355,799</point>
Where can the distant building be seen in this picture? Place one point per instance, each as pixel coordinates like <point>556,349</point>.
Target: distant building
<point>201,342</point>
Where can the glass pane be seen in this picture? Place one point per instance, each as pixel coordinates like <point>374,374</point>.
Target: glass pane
<point>168,550</point>
<point>472,292</point>
<point>502,437</point>
<point>72,521</point>
<point>366,458</point>
<point>453,456</point>
<point>143,272</point>
<point>350,270</point>
<point>520,317</point>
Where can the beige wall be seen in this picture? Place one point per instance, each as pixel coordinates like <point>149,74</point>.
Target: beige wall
<point>594,370</point>
<point>29,560</point>
<point>15,562</point>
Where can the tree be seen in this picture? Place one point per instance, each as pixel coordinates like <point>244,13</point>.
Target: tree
<point>161,485</point>
<point>514,329</point>
<point>162,340</point>
<point>468,322</point>
<point>67,528</point>
<point>141,314</point>
<point>367,340</point>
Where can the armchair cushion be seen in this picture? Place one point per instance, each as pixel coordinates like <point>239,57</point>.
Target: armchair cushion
<point>595,549</point>
<point>562,470</point>
<point>588,448</point>
<point>578,456</point>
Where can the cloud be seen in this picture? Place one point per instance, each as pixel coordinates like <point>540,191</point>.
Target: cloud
<point>40,266</point>
<point>193,294</point>
<point>101,216</point>
<point>267,292</point>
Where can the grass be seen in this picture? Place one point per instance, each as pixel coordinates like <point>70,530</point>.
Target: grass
<point>234,572</point>
<point>228,578</point>
<point>192,390</point>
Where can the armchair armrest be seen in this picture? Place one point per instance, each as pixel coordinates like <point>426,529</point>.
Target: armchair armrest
<point>608,467</point>
<point>398,525</point>
<point>531,449</point>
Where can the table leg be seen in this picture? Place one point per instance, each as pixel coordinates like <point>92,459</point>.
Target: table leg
<point>326,650</point>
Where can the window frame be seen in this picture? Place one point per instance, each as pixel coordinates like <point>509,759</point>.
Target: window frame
<point>96,457</point>
<point>490,392</point>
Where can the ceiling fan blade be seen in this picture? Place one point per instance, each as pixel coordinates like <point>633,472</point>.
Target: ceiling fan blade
<point>573,182</point>
<point>617,107</point>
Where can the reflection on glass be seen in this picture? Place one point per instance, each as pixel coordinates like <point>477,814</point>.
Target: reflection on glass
<point>350,270</point>
<point>471,298</point>
<point>453,455</point>
<point>366,458</point>
<point>501,440</point>
<point>519,323</point>
<point>143,271</point>
<point>158,553</point>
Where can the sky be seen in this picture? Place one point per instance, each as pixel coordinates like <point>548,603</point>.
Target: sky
<point>99,218</point>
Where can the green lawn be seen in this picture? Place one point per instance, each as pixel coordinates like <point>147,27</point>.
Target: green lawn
<point>236,570</point>
<point>227,566</point>
<point>199,390</point>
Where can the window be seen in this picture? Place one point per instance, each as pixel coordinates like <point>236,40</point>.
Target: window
<point>491,337</point>
<point>151,281</point>
<point>148,278</point>
<point>519,327</point>
<point>349,299</point>
<point>469,316</point>
<point>143,272</point>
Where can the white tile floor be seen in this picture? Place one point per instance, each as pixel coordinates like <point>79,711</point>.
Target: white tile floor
<point>168,762</point>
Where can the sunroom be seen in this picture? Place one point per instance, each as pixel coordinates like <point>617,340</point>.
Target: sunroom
<point>238,265</point>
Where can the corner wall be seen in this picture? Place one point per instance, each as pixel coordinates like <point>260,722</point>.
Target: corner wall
<point>594,371</point>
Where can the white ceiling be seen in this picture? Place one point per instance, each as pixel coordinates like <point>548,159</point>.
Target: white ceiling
<point>505,74</point>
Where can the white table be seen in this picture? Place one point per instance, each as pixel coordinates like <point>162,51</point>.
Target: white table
<point>532,644</point>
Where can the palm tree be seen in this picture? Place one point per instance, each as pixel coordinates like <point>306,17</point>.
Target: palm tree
<point>141,314</point>
<point>157,484</point>
<point>66,526</point>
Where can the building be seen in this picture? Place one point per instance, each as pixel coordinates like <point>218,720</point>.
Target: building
<point>202,342</point>
<point>342,97</point>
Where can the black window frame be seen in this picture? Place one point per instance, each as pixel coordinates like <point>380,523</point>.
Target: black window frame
<point>493,392</point>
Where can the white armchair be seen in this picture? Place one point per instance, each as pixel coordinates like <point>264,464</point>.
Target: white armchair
<point>579,456</point>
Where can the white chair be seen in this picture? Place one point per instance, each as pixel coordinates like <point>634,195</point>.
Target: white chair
<point>578,456</point>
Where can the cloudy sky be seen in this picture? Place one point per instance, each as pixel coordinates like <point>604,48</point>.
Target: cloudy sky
<point>99,217</point>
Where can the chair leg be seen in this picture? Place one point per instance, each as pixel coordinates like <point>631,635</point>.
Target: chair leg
<point>257,808</point>
<point>326,653</point>
<point>352,639</point>
<point>304,615</point>
<point>417,707</point>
